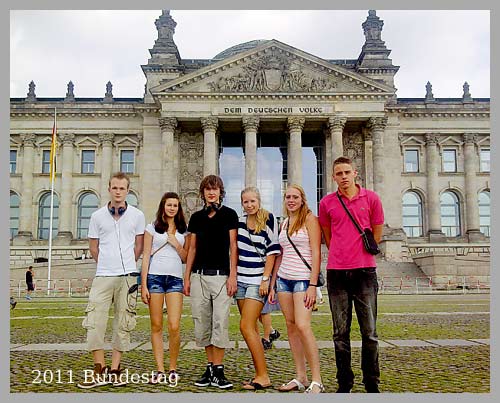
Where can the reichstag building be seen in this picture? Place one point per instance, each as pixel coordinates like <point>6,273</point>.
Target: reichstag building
<point>267,114</point>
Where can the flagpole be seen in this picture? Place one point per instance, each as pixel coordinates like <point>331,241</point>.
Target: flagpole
<point>52,180</point>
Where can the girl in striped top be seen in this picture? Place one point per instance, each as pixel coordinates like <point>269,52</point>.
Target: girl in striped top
<point>257,249</point>
<point>296,286</point>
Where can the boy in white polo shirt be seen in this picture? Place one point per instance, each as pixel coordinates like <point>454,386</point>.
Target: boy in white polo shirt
<point>116,233</point>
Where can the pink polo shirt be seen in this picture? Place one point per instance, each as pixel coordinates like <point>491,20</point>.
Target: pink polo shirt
<point>346,246</point>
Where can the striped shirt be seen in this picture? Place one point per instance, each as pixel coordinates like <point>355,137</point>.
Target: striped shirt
<point>292,267</point>
<point>253,249</point>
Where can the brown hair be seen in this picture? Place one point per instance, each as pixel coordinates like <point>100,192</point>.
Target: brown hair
<point>120,175</point>
<point>304,210</point>
<point>212,182</point>
<point>161,224</point>
<point>343,160</point>
<point>262,214</point>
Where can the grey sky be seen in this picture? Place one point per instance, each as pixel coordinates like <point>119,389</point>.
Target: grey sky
<point>93,47</point>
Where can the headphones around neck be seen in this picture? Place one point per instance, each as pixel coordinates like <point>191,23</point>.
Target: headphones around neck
<point>121,210</point>
<point>211,207</point>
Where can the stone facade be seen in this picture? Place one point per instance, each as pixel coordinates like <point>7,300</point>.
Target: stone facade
<point>173,135</point>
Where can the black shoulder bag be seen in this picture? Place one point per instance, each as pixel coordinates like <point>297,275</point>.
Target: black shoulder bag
<point>321,279</point>
<point>367,235</point>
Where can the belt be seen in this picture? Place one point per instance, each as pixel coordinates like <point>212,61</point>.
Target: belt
<point>211,272</point>
<point>134,274</point>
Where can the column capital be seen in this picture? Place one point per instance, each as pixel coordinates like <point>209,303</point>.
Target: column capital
<point>470,138</point>
<point>377,123</point>
<point>296,123</point>
<point>250,123</point>
<point>431,139</point>
<point>210,123</point>
<point>67,138</point>
<point>336,122</point>
<point>106,139</point>
<point>168,123</point>
<point>28,139</point>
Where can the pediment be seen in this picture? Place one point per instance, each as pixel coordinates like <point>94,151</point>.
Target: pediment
<point>273,67</point>
<point>86,142</point>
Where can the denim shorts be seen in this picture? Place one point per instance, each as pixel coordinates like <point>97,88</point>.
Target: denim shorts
<point>161,284</point>
<point>250,291</point>
<point>284,285</point>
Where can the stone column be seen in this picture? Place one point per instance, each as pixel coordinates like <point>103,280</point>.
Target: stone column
<point>209,126</point>
<point>107,162</point>
<point>295,126</point>
<point>368,144</point>
<point>471,202</point>
<point>336,126</point>
<point>64,235</point>
<point>377,127</point>
<point>251,125</point>
<point>434,205</point>
<point>24,235</point>
<point>169,176</point>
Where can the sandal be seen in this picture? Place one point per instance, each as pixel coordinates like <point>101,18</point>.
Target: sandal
<point>173,378</point>
<point>310,389</point>
<point>252,385</point>
<point>294,384</point>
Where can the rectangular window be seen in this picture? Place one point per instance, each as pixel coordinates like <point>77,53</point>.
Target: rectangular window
<point>13,161</point>
<point>485,160</point>
<point>46,162</point>
<point>88,161</point>
<point>411,161</point>
<point>127,161</point>
<point>449,160</point>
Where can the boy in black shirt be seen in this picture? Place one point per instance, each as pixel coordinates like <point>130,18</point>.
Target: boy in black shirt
<point>211,277</point>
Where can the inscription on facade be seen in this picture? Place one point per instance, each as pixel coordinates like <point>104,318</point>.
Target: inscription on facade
<point>273,110</point>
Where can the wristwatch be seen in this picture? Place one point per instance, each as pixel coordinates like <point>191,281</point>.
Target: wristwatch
<point>265,278</point>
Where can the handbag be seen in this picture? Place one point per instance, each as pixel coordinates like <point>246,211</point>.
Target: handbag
<point>369,242</point>
<point>321,278</point>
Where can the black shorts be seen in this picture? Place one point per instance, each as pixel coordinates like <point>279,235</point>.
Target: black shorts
<point>31,287</point>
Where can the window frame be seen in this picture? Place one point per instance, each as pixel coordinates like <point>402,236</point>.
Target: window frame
<point>87,163</point>
<point>420,216</point>
<point>416,151</point>
<point>132,152</point>
<point>41,207</point>
<point>457,215</point>
<point>13,162</point>
<point>79,227</point>
<point>45,162</point>
<point>481,161</point>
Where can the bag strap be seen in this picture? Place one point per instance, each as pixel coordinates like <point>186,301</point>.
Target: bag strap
<point>165,244</point>
<point>250,237</point>
<point>350,215</point>
<point>294,247</point>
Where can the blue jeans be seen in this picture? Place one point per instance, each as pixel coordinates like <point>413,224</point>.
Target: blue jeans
<point>285,285</point>
<point>163,284</point>
<point>346,288</point>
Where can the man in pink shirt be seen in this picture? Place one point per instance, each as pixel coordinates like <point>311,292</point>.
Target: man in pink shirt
<point>351,272</point>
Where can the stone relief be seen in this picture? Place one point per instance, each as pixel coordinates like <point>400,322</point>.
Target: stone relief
<point>190,170</point>
<point>354,149</point>
<point>275,73</point>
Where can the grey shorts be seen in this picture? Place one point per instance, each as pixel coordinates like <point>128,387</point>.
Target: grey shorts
<point>210,306</point>
<point>250,291</point>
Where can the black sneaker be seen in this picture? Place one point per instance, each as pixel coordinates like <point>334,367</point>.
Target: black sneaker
<point>268,345</point>
<point>372,388</point>
<point>206,378</point>
<point>274,335</point>
<point>219,379</point>
<point>344,389</point>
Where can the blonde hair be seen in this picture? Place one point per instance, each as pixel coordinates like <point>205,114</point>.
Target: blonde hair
<point>302,213</point>
<point>262,214</point>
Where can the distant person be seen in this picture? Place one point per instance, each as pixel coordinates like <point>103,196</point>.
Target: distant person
<point>296,277</point>
<point>13,303</point>
<point>351,272</point>
<point>116,233</point>
<point>30,285</point>
<point>269,334</point>
<point>165,249</point>
<point>257,250</point>
<point>210,277</point>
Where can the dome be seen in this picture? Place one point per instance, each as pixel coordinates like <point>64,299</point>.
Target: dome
<point>242,47</point>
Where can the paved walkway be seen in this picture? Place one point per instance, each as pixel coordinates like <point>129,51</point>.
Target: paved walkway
<point>277,344</point>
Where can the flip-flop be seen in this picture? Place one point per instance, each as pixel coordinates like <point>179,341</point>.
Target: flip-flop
<point>252,385</point>
<point>297,385</point>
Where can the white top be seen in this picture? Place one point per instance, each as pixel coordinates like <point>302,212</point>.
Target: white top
<point>116,240</point>
<point>166,261</point>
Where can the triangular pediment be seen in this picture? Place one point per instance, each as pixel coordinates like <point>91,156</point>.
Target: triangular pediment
<point>273,67</point>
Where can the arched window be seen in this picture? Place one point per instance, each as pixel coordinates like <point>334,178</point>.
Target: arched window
<point>44,216</point>
<point>87,204</point>
<point>484,212</point>
<point>15,201</point>
<point>450,214</point>
<point>412,215</point>
<point>132,199</point>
